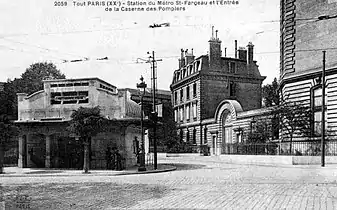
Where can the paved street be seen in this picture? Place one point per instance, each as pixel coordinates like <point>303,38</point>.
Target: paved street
<point>198,183</point>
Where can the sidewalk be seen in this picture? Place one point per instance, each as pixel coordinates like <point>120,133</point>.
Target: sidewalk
<point>43,172</point>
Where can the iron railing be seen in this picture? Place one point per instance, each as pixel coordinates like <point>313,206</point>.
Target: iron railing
<point>297,148</point>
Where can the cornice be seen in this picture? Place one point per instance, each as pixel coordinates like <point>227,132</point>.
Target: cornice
<point>237,77</point>
<point>306,76</point>
<point>185,80</point>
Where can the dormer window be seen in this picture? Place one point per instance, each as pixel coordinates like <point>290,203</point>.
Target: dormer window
<point>198,66</point>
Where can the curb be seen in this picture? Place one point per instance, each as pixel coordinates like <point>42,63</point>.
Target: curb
<point>170,168</point>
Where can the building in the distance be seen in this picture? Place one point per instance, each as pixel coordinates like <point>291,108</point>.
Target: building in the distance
<point>210,91</point>
<point>43,118</point>
<point>164,109</point>
<point>307,28</point>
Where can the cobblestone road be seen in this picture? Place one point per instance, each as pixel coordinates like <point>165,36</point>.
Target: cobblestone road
<point>198,183</point>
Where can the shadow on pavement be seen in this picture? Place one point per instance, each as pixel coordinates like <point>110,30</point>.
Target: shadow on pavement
<point>82,195</point>
<point>44,172</point>
<point>183,167</point>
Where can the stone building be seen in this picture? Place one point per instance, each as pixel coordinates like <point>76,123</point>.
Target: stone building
<point>44,116</point>
<point>210,91</point>
<point>306,30</point>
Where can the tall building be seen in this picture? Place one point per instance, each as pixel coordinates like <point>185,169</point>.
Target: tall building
<point>307,28</point>
<point>201,85</point>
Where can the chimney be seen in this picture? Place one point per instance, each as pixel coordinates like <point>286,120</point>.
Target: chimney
<point>250,47</point>
<point>182,59</point>
<point>214,51</point>
<point>242,53</point>
<point>225,51</point>
<point>236,49</point>
<point>189,57</point>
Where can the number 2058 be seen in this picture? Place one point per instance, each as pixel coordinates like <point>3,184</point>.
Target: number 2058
<point>60,3</point>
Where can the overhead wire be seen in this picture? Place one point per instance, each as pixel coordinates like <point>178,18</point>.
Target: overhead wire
<point>43,48</point>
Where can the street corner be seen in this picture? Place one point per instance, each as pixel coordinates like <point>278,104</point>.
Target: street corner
<point>22,172</point>
<point>161,168</point>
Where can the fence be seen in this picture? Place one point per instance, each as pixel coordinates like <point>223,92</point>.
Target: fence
<point>297,148</point>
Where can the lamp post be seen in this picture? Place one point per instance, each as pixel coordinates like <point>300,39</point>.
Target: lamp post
<point>323,113</point>
<point>142,85</point>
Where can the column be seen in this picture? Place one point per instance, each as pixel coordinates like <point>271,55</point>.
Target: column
<point>22,152</point>
<point>218,144</point>
<point>47,160</point>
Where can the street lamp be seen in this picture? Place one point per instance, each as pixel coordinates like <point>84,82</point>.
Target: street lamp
<point>323,113</point>
<point>141,86</point>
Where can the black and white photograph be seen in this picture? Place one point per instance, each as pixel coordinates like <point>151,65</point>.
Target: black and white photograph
<point>168,104</point>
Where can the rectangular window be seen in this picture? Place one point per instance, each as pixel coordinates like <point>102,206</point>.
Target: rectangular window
<point>187,112</point>
<point>187,92</point>
<point>205,135</point>
<point>232,68</point>
<point>181,114</point>
<point>231,89</point>
<point>195,110</point>
<point>188,136</point>
<point>317,112</point>
<point>318,122</point>
<point>194,90</point>
<point>194,136</point>
<point>175,97</point>
<point>71,97</point>
<point>181,95</point>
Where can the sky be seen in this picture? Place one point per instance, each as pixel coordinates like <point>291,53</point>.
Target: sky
<point>37,31</point>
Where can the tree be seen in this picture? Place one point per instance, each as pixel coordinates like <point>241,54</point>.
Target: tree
<point>270,94</point>
<point>172,140</point>
<point>86,123</point>
<point>260,132</point>
<point>29,82</point>
<point>31,79</point>
<point>294,119</point>
<point>7,132</point>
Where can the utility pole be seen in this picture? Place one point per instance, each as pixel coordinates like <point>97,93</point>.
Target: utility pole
<point>323,113</point>
<point>154,111</point>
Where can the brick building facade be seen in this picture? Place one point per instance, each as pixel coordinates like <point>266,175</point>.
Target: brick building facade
<point>209,91</point>
<point>306,30</point>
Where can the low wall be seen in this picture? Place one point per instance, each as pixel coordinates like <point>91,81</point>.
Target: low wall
<point>182,154</point>
<point>257,159</point>
<point>277,159</point>
<point>313,160</point>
